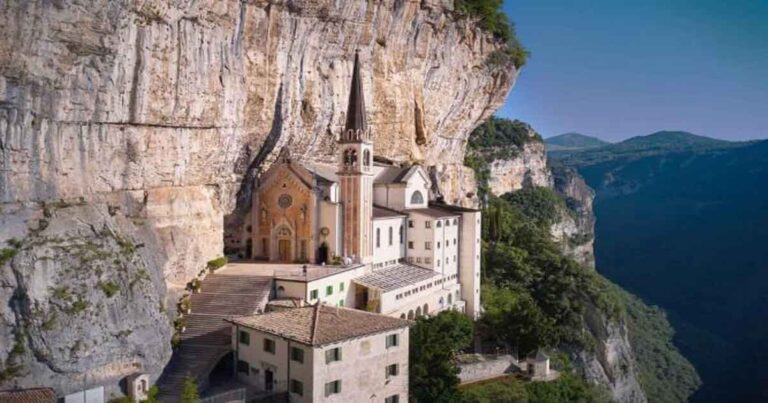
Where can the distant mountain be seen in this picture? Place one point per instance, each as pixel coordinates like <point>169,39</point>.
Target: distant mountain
<point>573,141</point>
<point>663,142</point>
<point>682,222</point>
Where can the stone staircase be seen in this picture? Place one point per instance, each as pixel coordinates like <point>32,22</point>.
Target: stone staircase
<point>207,338</point>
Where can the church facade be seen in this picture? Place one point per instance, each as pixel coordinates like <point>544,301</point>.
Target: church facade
<point>411,255</point>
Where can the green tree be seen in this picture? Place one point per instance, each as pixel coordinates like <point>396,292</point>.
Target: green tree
<point>434,343</point>
<point>189,392</point>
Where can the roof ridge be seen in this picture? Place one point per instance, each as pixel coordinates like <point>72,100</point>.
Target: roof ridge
<point>315,322</point>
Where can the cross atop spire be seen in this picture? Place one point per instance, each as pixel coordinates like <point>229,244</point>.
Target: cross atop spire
<point>356,127</point>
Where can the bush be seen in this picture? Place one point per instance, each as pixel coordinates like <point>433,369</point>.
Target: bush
<point>217,263</point>
<point>434,343</point>
<point>490,18</point>
<point>189,392</point>
<point>109,288</point>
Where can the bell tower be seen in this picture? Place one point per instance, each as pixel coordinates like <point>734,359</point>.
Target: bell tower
<point>355,173</point>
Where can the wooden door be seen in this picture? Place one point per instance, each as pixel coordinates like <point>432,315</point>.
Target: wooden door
<point>284,250</point>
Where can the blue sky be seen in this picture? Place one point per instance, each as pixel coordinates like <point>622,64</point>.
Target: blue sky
<point>619,68</point>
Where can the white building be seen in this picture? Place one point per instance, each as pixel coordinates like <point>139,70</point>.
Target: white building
<point>414,256</point>
<point>324,354</point>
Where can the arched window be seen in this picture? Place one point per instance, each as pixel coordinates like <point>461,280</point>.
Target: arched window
<point>401,235</point>
<point>418,312</point>
<point>426,309</point>
<point>438,225</point>
<point>378,237</point>
<point>402,316</point>
<point>367,158</point>
<point>417,198</point>
<point>450,298</point>
<point>410,314</point>
<point>391,237</point>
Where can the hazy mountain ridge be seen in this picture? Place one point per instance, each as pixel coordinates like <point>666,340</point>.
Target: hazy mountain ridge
<point>680,222</point>
<point>662,142</point>
<point>573,141</point>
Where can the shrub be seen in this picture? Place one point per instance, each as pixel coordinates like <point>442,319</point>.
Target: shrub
<point>217,263</point>
<point>490,18</point>
<point>189,392</point>
<point>109,288</point>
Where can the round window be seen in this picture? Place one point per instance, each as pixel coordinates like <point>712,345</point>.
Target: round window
<point>285,201</point>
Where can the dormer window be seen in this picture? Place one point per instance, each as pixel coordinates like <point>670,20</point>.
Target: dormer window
<point>417,198</point>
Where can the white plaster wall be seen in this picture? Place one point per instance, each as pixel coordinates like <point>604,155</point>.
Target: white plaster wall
<point>470,247</point>
<point>390,195</point>
<point>347,296</point>
<point>330,217</point>
<point>418,234</point>
<point>385,252</point>
<point>362,369</point>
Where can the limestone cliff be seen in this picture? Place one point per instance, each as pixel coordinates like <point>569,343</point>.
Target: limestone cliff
<point>127,127</point>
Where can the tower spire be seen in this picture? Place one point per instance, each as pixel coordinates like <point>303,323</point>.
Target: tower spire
<point>356,126</point>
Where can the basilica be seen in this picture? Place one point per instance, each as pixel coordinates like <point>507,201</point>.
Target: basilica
<point>367,231</point>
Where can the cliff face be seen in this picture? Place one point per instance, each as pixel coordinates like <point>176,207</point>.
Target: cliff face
<point>575,231</point>
<point>527,168</point>
<point>128,127</point>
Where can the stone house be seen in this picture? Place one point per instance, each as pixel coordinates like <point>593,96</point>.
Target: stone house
<point>324,354</point>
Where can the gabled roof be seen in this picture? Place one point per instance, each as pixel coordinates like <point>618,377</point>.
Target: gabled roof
<point>394,277</point>
<point>537,356</point>
<point>318,325</point>
<point>383,212</point>
<point>399,174</point>
<point>33,395</point>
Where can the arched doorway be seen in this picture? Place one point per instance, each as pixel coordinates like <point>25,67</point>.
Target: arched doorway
<point>322,253</point>
<point>284,237</point>
<point>418,312</point>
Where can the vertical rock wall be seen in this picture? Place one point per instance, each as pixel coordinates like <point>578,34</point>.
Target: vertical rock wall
<point>131,125</point>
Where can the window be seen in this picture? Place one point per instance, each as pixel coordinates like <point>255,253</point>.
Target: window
<point>269,346</point>
<point>391,237</point>
<point>392,370</point>
<point>410,244</point>
<point>242,367</point>
<point>378,237</point>
<point>392,399</point>
<point>417,198</point>
<point>438,244</point>
<point>454,241</point>
<point>402,235</point>
<point>341,302</point>
<point>297,354</point>
<point>428,245</point>
<point>410,223</point>
<point>341,287</point>
<point>455,221</point>
<point>245,337</point>
<point>447,223</point>
<point>438,224</point>
<point>332,388</point>
<point>427,260</point>
<point>447,261</point>
<point>332,355</point>
<point>418,260</point>
<point>392,340</point>
<point>297,387</point>
<point>438,263</point>
<point>329,290</point>
<point>427,224</point>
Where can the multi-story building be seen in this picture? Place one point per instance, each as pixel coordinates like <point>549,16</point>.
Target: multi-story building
<point>411,256</point>
<point>321,353</point>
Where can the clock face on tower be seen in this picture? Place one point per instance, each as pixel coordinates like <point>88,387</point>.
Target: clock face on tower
<point>285,201</point>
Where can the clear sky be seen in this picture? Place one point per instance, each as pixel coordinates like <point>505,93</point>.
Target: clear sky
<point>620,68</point>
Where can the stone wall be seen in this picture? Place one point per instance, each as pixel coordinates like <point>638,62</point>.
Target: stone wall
<point>476,367</point>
